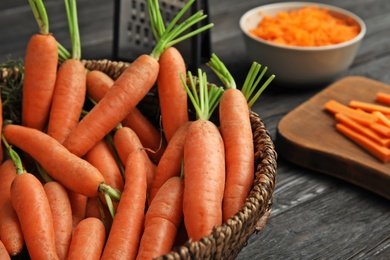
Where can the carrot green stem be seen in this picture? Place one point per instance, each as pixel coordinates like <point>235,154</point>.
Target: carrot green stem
<point>40,15</point>
<point>221,71</point>
<point>14,156</point>
<point>63,54</point>
<point>205,97</point>
<point>110,206</point>
<point>45,176</point>
<point>71,12</point>
<point>173,34</point>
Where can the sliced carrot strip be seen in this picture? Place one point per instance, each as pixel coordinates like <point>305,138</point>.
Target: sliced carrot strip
<point>362,129</point>
<point>382,118</point>
<point>383,98</point>
<point>369,107</point>
<point>334,107</point>
<point>381,129</point>
<point>382,153</point>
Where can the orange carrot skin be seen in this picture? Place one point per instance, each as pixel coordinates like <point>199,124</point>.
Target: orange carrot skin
<point>236,131</point>
<point>78,204</point>
<point>70,170</point>
<point>68,99</point>
<point>128,90</point>
<point>204,178</point>
<point>10,229</point>
<point>40,71</point>
<point>88,240</point>
<point>162,220</point>
<point>3,252</point>
<point>62,216</point>
<point>32,207</point>
<point>127,226</point>
<point>172,96</point>
<point>98,83</point>
<point>171,161</point>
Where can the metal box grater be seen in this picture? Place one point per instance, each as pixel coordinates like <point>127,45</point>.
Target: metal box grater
<point>133,35</point>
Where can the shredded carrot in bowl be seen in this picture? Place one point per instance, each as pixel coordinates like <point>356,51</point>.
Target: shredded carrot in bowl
<point>307,27</point>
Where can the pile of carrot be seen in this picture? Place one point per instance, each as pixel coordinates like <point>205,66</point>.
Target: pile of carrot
<point>365,123</point>
<point>305,27</point>
<point>85,175</point>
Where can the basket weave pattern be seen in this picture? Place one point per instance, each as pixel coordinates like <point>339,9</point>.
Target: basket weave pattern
<point>227,240</point>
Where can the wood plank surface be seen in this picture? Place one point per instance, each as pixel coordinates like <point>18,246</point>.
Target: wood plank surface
<point>315,215</point>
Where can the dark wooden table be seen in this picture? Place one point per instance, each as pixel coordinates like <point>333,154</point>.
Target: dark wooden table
<point>315,216</point>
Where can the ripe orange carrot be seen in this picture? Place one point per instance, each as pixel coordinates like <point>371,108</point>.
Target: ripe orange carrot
<point>32,206</point>
<point>382,153</point>
<point>78,204</point>
<point>133,84</point>
<point>98,83</point>
<point>126,141</point>
<point>171,94</point>
<point>127,226</point>
<point>68,99</point>
<point>3,252</point>
<point>96,209</point>
<point>383,98</point>
<point>171,162</point>
<point>70,170</point>
<point>40,71</point>
<point>334,107</point>
<point>10,230</point>
<point>365,130</point>
<point>369,107</point>
<point>162,220</point>
<point>204,164</point>
<point>88,240</point>
<point>62,216</point>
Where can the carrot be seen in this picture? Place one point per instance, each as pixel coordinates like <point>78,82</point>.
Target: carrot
<point>10,230</point>
<point>127,226</point>
<point>380,152</point>
<point>204,162</point>
<point>31,204</point>
<point>171,162</point>
<point>130,87</point>
<point>78,204</point>
<point>381,129</point>
<point>383,98</point>
<point>171,94</point>
<point>96,209</point>
<point>162,220</point>
<point>308,26</point>
<point>334,107</point>
<point>382,118</point>
<point>70,170</point>
<point>62,216</point>
<point>126,141</point>
<point>362,129</point>
<point>98,84</point>
<point>88,240</point>
<point>236,130</point>
<point>1,127</point>
<point>3,252</point>
<point>369,107</point>
<point>40,71</point>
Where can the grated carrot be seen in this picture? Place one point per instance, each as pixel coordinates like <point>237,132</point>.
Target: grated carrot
<point>308,26</point>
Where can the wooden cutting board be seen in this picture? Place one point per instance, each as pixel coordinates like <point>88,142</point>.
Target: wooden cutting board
<point>307,136</point>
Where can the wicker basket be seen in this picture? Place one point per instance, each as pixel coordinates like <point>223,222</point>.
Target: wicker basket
<point>227,240</point>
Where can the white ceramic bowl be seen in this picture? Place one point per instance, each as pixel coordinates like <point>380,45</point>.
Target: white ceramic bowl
<point>299,67</point>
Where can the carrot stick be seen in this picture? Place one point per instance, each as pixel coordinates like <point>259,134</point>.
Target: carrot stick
<point>62,216</point>
<point>334,107</point>
<point>98,83</point>
<point>162,220</point>
<point>205,181</point>
<point>70,170</point>
<point>380,152</point>
<point>362,129</point>
<point>130,87</point>
<point>382,118</point>
<point>31,204</point>
<point>171,162</point>
<point>3,252</point>
<point>383,98</point>
<point>10,230</point>
<point>369,107</point>
<point>171,94</point>
<point>127,226</point>
<point>381,129</point>
<point>40,71</point>
<point>88,240</point>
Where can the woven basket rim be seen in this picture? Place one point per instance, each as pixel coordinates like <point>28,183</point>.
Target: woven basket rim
<point>227,240</point>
